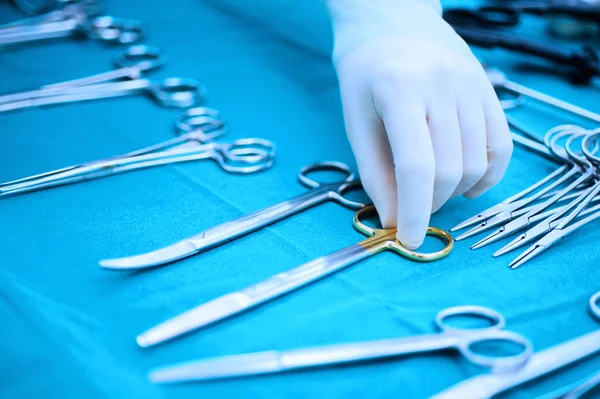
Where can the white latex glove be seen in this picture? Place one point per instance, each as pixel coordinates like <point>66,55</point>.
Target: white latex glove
<point>422,118</point>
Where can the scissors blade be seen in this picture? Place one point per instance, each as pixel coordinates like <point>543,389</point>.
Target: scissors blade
<point>230,304</point>
<point>541,363</point>
<point>217,368</point>
<point>168,254</point>
<point>218,235</point>
<point>303,358</point>
<point>198,317</point>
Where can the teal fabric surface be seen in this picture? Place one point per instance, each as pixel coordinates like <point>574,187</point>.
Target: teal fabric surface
<point>67,327</point>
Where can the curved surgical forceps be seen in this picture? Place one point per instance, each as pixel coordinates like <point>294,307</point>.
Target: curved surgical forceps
<point>221,234</point>
<point>449,337</point>
<point>228,305</point>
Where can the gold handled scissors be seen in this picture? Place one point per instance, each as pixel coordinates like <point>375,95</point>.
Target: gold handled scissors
<point>218,309</point>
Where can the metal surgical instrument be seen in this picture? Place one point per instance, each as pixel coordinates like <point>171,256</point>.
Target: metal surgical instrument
<point>578,390</point>
<point>558,229</point>
<point>449,337</point>
<point>74,19</point>
<point>36,7</point>
<point>131,63</point>
<point>318,194</point>
<point>171,92</point>
<point>199,124</point>
<point>581,166</point>
<point>196,126</point>
<point>541,363</point>
<point>504,211</point>
<point>228,305</point>
<point>500,81</point>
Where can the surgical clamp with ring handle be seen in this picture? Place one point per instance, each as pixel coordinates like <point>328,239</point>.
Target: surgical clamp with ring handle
<point>199,124</point>
<point>228,305</point>
<point>74,19</point>
<point>504,211</point>
<point>171,92</point>
<point>131,63</point>
<point>226,232</point>
<point>60,11</point>
<point>582,171</point>
<point>270,362</point>
<point>501,82</point>
<point>549,360</point>
<point>561,224</point>
<point>196,128</point>
<point>553,225</point>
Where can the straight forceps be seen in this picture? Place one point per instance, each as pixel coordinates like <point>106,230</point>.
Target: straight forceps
<point>581,166</point>
<point>74,19</point>
<point>449,337</point>
<point>228,305</point>
<point>196,126</point>
<point>319,193</point>
<point>557,227</point>
<point>541,363</point>
<point>131,63</point>
<point>505,211</point>
<point>171,92</point>
<point>501,82</point>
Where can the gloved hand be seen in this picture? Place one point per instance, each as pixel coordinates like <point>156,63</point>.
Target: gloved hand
<point>422,118</point>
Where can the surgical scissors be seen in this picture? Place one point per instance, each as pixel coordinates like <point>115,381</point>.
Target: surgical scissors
<point>228,305</point>
<point>461,339</point>
<point>74,19</point>
<point>226,232</point>
<point>131,63</point>
<point>171,92</point>
<point>241,156</point>
<point>541,363</point>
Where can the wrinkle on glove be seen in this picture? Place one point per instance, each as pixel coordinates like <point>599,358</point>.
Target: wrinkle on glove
<point>421,116</point>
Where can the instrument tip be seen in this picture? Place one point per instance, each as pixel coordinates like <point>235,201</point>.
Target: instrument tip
<point>143,341</point>
<point>525,256</point>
